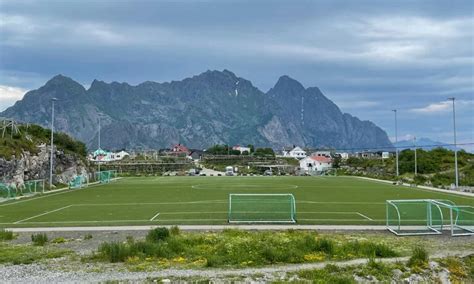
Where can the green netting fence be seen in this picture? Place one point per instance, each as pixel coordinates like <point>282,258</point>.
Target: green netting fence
<point>79,181</point>
<point>7,191</point>
<point>105,176</point>
<point>33,186</point>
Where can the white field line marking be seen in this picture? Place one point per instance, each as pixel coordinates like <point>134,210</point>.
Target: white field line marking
<point>322,212</point>
<point>42,214</point>
<point>78,222</point>
<point>364,216</point>
<point>334,202</point>
<point>189,220</point>
<point>153,203</point>
<point>342,220</point>
<point>243,186</point>
<point>156,215</point>
<point>118,221</point>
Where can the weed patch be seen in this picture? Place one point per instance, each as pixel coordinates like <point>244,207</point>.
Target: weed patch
<point>39,239</point>
<point>21,254</point>
<point>419,258</point>
<point>236,248</point>
<point>6,235</point>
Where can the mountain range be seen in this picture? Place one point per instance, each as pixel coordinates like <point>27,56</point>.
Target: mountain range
<point>214,107</point>
<point>424,143</point>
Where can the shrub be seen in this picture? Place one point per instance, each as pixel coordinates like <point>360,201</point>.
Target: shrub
<point>39,239</point>
<point>367,249</point>
<point>6,235</point>
<point>115,251</point>
<point>325,245</point>
<point>377,250</point>
<point>378,269</point>
<point>87,237</point>
<point>419,258</point>
<point>456,268</point>
<point>175,231</point>
<point>158,234</point>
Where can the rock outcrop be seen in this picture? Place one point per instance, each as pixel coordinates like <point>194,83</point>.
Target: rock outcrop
<point>29,166</point>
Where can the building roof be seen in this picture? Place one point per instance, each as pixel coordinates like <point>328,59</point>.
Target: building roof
<point>321,159</point>
<point>99,152</point>
<point>179,148</point>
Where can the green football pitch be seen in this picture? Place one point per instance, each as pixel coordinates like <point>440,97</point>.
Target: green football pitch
<point>205,200</point>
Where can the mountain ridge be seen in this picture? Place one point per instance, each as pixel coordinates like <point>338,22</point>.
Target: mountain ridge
<point>199,111</point>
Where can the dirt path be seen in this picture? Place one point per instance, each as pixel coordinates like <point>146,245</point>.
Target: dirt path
<point>47,273</point>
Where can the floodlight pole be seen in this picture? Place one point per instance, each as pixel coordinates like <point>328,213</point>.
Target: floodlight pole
<point>416,167</point>
<point>396,140</point>
<point>52,144</point>
<point>455,145</point>
<point>99,144</point>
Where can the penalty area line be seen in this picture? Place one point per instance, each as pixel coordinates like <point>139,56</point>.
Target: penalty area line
<point>364,216</point>
<point>156,215</point>
<point>42,214</point>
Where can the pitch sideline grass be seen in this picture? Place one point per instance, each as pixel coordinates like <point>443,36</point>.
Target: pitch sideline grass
<point>204,200</point>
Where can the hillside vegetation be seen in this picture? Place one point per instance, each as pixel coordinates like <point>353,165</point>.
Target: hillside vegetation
<point>28,137</point>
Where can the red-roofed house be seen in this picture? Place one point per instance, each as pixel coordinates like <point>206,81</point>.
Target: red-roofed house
<point>179,149</point>
<point>315,164</point>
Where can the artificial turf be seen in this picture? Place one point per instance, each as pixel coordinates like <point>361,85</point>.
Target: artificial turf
<point>204,200</point>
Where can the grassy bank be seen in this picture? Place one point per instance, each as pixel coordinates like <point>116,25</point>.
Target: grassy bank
<point>236,248</point>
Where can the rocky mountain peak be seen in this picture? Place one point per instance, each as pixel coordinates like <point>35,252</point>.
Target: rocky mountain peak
<point>63,82</point>
<point>287,86</point>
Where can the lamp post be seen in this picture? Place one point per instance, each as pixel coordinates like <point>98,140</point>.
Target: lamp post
<point>52,144</point>
<point>396,140</point>
<point>455,146</point>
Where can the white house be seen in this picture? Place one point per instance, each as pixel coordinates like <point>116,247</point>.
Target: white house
<point>322,154</point>
<point>105,156</point>
<point>296,153</point>
<point>120,155</point>
<point>343,155</point>
<point>315,164</point>
<point>241,149</point>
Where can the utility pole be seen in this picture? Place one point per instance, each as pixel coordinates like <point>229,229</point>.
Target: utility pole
<point>396,140</point>
<point>455,144</point>
<point>52,144</point>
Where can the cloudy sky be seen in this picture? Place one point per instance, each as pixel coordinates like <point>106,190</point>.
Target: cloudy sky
<point>369,57</point>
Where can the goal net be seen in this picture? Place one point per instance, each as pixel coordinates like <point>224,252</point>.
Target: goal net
<point>78,181</point>
<point>413,217</point>
<point>262,208</point>
<point>428,216</point>
<point>461,220</point>
<point>105,176</point>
